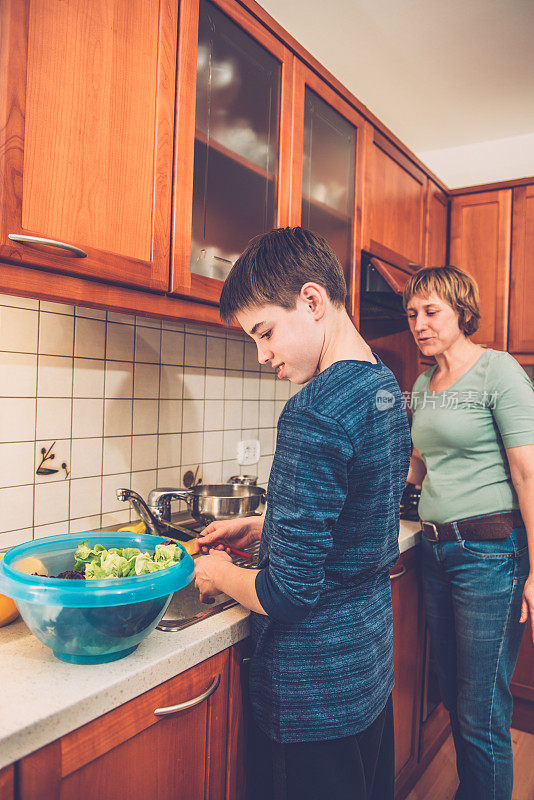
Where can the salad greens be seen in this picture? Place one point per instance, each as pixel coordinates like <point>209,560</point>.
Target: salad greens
<point>97,562</point>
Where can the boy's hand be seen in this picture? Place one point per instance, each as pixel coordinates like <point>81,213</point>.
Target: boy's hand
<point>207,570</point>
<point>239,532</point>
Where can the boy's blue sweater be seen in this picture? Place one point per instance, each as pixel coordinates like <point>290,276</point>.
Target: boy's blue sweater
<point>322,666</point>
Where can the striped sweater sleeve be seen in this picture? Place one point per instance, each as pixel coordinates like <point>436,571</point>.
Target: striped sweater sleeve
<point>309,479</point>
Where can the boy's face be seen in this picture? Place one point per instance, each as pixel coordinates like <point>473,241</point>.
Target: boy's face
<point>292,340</point>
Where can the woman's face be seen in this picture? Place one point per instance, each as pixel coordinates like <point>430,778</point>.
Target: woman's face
<point>433,323</point>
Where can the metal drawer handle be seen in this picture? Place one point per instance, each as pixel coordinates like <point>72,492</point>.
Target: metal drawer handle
<point>214,685</point>
<point>397,574</point>
<point>19,237</point>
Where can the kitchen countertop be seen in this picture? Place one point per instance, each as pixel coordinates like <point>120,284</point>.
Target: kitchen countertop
<point>44,698</point>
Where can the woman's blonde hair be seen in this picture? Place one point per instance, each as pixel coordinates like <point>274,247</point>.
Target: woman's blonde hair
<point>454,286</point>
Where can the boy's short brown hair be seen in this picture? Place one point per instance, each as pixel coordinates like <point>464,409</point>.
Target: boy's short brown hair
<point>275,266</point>
<point>454,286</point>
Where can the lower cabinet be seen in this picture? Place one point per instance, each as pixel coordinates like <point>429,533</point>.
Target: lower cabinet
<point>7,783</point>
<point>522,685</point>
<point>135,753</point>
<point>408,635</point>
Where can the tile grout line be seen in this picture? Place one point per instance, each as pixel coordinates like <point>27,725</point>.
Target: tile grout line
<point>71,419</point>
<point>38,311</point>
<point>103,419</point>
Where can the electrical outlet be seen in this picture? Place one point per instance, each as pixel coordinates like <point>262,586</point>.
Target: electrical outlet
<point>248,452</point>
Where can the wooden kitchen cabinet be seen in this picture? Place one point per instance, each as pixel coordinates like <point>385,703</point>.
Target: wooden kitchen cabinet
<point>130,752</point>
<point>522,685</point>
<point>86,137</point>
<point>395,202</point>
<point>437,205</point>
<point>7,783</point>
<point>521,337</point>
<point>408,633</point>
<point>237,129</point>
<point>237,787</point>
<point>327,171</point>
<point>480,244</point>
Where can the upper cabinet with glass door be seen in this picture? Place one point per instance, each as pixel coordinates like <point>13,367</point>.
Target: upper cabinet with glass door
<point>86,137</point>
<point>325,197</point>
<point>238,172</point>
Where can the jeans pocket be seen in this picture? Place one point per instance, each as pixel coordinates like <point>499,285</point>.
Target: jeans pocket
<point>513,546</point>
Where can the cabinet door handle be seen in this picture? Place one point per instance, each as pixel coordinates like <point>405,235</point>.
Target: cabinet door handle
<point>74,251</point>
<point>190,703</point>
<point>397,574</point>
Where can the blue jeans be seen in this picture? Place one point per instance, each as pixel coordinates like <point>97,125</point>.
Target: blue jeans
<point>472,592</point>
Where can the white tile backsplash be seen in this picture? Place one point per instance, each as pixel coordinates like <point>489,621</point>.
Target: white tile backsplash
<point>117,417</point>
<point>56,334</point>
<point>51,502</point>
<point>90,338</point>
<point>144,453</point>
<point>145,416</point>
<point>17,419</point>
<point>18,329</point>
<point>18,302</point>
<point>16,507</point>
<point>89,375</point>
<point>147,345</point>
<point>54,416</point>
<point>117,454</point>
<point>86,458</point>
<point>119,342</point>
<point>16,464</point>
<point>18,375</point>
<point>87,418</point>
<point>54,376</point>
<point>123,401</point>
<point>118,380</point>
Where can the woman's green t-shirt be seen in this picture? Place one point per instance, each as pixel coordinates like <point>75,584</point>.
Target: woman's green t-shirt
<point>462,434</point>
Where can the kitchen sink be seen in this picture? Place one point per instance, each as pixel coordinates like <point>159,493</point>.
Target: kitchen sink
<point>186,609</point>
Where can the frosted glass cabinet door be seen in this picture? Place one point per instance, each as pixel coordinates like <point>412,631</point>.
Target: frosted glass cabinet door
<point>236,143</point>
<point>328,176</point>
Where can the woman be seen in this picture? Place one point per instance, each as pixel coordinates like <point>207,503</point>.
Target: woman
<point>473,430</point>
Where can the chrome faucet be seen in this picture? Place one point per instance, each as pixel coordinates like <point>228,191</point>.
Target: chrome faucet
<point>154,522</point>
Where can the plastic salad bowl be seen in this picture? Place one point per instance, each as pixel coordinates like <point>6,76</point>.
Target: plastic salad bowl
<point>90,621</point>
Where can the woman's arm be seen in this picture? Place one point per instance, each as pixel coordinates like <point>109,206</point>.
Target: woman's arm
<point>417,470</point>
<point>215,573</point>
<point>521,461</point>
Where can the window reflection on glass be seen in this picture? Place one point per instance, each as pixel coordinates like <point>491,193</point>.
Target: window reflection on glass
<point>236,143</point>
<point>328,176</point>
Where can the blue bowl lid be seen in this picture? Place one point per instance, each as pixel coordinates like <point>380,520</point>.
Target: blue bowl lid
<point>91,593</point>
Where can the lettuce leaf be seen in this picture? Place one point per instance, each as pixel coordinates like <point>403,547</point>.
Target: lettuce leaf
<point>97,563</point>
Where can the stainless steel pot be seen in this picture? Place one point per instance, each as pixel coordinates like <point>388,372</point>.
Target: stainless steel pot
<point>247,480</point>
<point>210,501</point>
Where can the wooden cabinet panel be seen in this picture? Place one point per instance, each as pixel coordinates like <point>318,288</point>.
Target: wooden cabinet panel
<point>523,679</point>
<point>395,198</point>
<point>130,752</point>
<point>327,171</point>
<point>522,272</point>
<point>407,656</point>
<point>522,685</point>
<point>237,757</point>
<point>436,227</point>
<point>86,136</point>
<point>480,244</point>
<point>237,136</point>
<point>7,783</point>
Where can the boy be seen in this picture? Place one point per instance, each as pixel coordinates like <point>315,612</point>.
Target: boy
<point>322,673</point>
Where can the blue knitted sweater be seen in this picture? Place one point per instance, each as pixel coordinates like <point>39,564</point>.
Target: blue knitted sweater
<point>322,664</point>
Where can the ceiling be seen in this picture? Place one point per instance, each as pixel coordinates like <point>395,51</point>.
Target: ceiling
<point>440,74</point>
